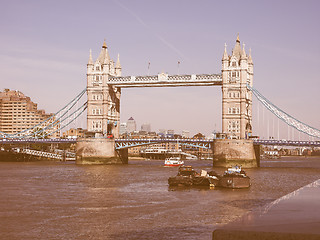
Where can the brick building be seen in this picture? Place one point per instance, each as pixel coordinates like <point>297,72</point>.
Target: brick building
<point>19,113</point>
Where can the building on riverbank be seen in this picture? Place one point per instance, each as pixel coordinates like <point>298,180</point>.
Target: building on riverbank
<point>19,113</point>
<point>74,133</point>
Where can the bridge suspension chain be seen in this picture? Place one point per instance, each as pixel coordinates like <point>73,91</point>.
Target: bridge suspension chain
<point>52,124</point>
<point>80,110</point>
<point>282,115</point>
<point>60,124</point>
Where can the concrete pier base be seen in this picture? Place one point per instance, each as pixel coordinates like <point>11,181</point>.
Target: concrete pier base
<point>97,151</point>
<point>123,155</point>
<point>230,152</point>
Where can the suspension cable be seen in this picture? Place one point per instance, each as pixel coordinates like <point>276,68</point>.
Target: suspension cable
<point>288,119</point>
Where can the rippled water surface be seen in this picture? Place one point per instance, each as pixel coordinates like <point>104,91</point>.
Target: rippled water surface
<point>55,200</point>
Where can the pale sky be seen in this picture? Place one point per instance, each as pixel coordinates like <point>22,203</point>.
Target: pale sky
<point>44,49</point>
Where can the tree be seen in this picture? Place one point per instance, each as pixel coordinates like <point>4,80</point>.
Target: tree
<point>199,136</point>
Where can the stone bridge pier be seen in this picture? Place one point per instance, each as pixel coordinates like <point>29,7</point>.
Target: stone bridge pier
<point>231,152</point>
<point>99,151</point>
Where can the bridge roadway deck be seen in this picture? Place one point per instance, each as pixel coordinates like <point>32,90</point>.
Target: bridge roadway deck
<point>131,142</point>
<point>165,80</point>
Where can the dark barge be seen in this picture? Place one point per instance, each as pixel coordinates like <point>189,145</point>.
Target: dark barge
<point>187,176</point>
<point>234,177</point>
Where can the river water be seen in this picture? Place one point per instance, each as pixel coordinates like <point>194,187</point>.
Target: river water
<point>58,200</point>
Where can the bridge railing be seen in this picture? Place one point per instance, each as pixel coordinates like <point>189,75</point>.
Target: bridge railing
<point>165,80</point>
<point>288,143</point>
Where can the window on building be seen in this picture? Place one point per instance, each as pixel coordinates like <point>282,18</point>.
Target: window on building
<point>234,74</point>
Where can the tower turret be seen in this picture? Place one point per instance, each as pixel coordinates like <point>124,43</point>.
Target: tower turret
<point>243,53</point>
<point>236,52</point>
<point>90,63</point>
<point>225,57</point>
<point>104,58</point>
<point>118,67</point>
<point>250,58</point>
<point>243,58</point>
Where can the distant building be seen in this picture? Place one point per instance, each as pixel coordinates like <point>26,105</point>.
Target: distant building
<point>146,127</point>
<point>123,128</point>
<point>19,113</point>
<point>170,133</point>
<point>131,125</point>
<point>185,134</point>
<point>162,132</point>
<point>74,133</point>
<point>155,151</point>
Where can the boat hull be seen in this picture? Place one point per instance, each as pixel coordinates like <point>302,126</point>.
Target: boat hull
<point>205,181</point>
<point>193,181</point>
<point>180,181</point>
<point>173,165</point>
<point>234,182</point>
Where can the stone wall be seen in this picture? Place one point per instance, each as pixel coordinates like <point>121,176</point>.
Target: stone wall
<point>230,152</point>
<point>96,151</point>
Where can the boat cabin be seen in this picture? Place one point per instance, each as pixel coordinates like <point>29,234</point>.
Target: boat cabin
<point>186,171</point>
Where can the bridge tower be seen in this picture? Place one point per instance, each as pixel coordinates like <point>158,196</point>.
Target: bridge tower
<point>103,113</point>
<point>237,149</point>
<point>237,72</point>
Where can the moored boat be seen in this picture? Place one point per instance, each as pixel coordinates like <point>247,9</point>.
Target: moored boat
<point>184,177</point>
<point>187,176</point>
<point>234,177</point>
<point>173,162</point>
<point>206,179</point>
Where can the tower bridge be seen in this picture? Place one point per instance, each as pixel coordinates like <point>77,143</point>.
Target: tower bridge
<point>104,84</point>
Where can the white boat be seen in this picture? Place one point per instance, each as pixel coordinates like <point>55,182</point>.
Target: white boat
<point>173,161</point>
<point>233,170</point>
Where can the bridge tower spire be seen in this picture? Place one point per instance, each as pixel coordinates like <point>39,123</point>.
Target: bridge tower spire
<point>237,72</point>
<point>118,67</point>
